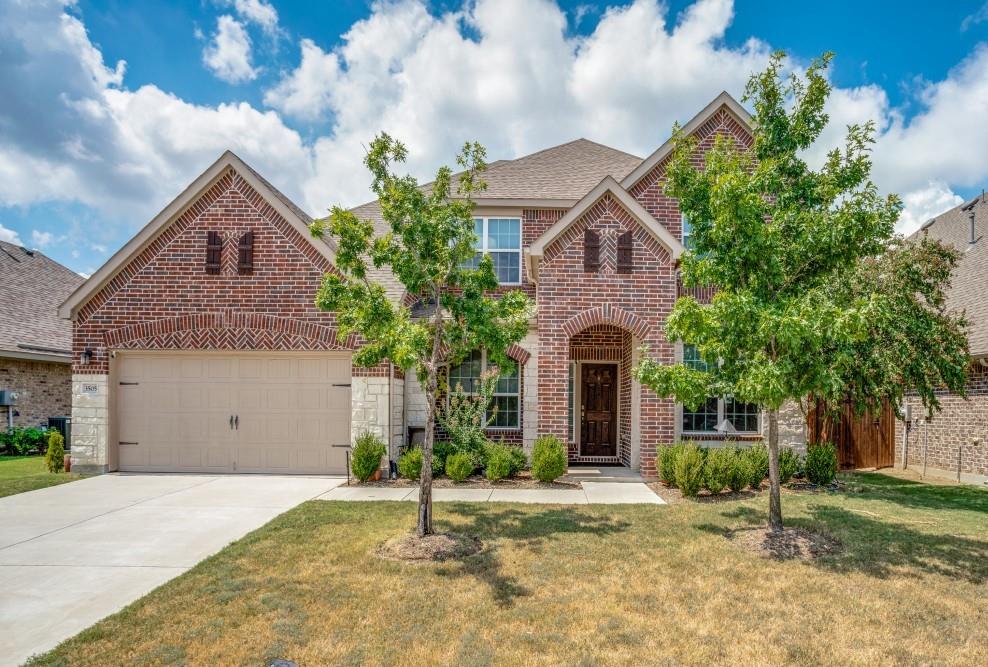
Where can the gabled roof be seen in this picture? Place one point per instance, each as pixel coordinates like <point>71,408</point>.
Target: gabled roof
<point>606,186</point>
<point>294,215</point>
<point>31,288</point>
<point>722,101</point>
<point>969,282</point>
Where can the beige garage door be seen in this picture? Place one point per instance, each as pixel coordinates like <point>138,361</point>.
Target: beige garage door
<point>232,412</point>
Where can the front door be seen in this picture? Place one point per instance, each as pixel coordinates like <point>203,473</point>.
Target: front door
<point>598,410</point>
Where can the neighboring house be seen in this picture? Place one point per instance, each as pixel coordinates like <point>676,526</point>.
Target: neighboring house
<point>197,347</point>
<point>35,344</point>
<point>959,433</point>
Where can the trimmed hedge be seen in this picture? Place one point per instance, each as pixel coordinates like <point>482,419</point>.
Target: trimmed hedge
<point>459,466</point>
<point>821,463</point>
<point>548,458</point>
<point>365,459</point>
<point>410,463</point>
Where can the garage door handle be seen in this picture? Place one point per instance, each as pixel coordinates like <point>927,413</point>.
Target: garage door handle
<point>231,422</point>
<point>123,442</point>
<point>236,422</point>
<point>341,384</point>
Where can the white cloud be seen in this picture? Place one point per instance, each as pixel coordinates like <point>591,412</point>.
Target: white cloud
<point>925,203</point>
<point>980,16</point>
<point>228,54</point>
<point>259,12</point>
<point>508,73</point>
<point>40,239</point>
<point>9,235</point>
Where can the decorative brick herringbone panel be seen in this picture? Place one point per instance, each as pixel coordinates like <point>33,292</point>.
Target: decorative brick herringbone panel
<point>163,298</point>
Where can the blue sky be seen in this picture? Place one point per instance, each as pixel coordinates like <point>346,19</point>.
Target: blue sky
<point>116,106</point>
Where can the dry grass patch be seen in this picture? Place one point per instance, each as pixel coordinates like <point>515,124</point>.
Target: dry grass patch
<point>787,544</point>
<point>579,585</point>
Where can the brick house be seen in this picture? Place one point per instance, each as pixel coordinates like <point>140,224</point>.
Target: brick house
<point>35,344</point>
<point>959,433</point>
<point>197,347</point>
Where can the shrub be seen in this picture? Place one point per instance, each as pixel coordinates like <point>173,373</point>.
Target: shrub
<point>739,473</point>
<point>821,463</point>
<point>519,460</point>
<point>499,462</point>
<point>55,456</point>
<point>757,456</point>
<point>719,468</point>
<point>548,458</point>
<point>688,469</point>
<point>459,466</point>
<point>21,441</point>
<point>365,459</point>
<point>441,452</point>
<point>410,463</point>
<point>667,459</point>
<point>788,464</point>
<point>465,417</point>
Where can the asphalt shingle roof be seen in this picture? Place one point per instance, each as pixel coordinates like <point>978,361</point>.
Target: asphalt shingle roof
<point>31,288</point>
<point>969,284</point>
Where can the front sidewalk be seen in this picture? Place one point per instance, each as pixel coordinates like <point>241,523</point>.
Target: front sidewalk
<point>598,486</point>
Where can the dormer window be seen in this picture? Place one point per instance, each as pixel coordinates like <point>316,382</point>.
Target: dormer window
<point>501,239</point>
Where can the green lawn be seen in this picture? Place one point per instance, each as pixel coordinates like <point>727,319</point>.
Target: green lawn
<point>27,473</point>
<point>597,585</point>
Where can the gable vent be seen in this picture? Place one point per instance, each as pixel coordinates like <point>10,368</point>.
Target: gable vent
<point>591,251</point>
<point>214,252</point>
<point>245,262</point>
<point>625,246</point>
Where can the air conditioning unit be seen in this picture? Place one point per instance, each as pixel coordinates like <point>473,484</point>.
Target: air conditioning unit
<point>7,398</point>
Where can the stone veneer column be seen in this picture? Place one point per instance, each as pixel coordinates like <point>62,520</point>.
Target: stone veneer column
<point>90,423</point>
<point>369,407</point>
<point>792,426</point>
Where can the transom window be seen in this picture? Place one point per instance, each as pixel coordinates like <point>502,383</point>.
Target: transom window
<point>501,239</point>
<point>743,416</point>
<point>466,376</point>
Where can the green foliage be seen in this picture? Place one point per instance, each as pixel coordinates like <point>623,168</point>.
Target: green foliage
<point>667,457</point>
<point>463,417</point>
<point>365,459</point>
<point>688,469</point>
<point>821,463</point>
<point>518,459</point>
<point>499,462</point>
<point>55,456</point>
<point>815,296</point>
<point>21,440</point>
<point>459,466</point>
<point>720,465</point>
<point>410,463</point>
<point>740,472</point>
<point>549,458</point>
<point>757,466</point>
<point>788,464</point>
<point>441,452</point>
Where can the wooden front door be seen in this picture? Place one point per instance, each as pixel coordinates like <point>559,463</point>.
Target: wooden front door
<point>598,410</point>
<point>863,440</point>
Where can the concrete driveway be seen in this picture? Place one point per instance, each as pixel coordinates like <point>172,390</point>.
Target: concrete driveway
<point>72,554</point>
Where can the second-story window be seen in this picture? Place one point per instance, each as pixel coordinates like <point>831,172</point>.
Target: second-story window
<point>501,239</point>
<point>687,233</point>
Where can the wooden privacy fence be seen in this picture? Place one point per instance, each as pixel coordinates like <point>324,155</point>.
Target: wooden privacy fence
<point>863,440</point>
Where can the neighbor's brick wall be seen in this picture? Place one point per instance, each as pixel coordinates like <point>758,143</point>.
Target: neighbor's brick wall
<point>44,390</point>
<point>960,421</point>
<point>571,300</point>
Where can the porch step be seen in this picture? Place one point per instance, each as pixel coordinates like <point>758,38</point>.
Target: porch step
<point>618,474</point>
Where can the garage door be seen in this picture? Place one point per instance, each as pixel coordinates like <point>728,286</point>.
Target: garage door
<point>232,412</point>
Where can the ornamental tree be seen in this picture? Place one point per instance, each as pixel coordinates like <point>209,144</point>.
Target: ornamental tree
<point>815,294</point>
<point>429,249</point>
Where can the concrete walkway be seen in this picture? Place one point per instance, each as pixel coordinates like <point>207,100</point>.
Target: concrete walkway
<point>604,486</point>
<point>75,553</point>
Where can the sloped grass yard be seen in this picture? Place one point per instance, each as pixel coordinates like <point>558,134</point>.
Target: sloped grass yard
<point>597,585</point>
<point>27,473</point>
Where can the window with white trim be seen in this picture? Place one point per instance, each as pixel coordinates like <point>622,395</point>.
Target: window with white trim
<point>705,418</point>
<point>501,239</point>
<point>687,227</point>
<point>465,378</point>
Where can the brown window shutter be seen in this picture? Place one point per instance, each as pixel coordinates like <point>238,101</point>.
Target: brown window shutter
<point>591,251</point>
<point>625,245</point>
<point>214,252</point>
<point>245,264</point>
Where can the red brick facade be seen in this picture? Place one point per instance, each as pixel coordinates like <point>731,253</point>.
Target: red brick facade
<point>164,299</point>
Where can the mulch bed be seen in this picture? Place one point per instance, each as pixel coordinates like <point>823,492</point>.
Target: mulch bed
<point>788,544</point>
<point>431,548</point>
<point>673,496</point>
<point>522,480</point>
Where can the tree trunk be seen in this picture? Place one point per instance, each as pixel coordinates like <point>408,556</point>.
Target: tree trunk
<point>425,487</point>
<point>774,487</point>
